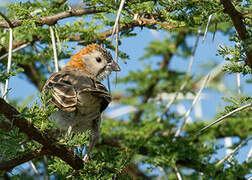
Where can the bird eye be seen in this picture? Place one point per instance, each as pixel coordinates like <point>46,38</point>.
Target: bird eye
<point>98,59</point>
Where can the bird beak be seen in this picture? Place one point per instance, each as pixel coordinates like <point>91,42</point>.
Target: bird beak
<point>114,66</point>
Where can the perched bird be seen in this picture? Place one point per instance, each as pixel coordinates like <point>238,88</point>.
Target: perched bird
<point>78,93</point>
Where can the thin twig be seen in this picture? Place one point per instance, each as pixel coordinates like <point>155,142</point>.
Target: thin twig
<point>172,101</point>
<point>2,88</point>
<point>238,81</point>
<point>109,89</point>
<point>116,49</point>
<point>208,22</point>
<point>215,72</point>
<point>117,18</point>
<point>17,44</point>
<point>215,29</point>
<point>244,142</point>
<point>179,177</point>
<point>15,50</point>
<point>43,58</point>
<point>34,168</point>
<point>193,54</point>
<point>45,161</point>
<point>191,107</point>
<point>225,116</point>
<point>9,63</point>
<point>32,164</point>
<point>163,172</point>
<point>249,154</point>
<point>186,81</point>
<point>54,49</point>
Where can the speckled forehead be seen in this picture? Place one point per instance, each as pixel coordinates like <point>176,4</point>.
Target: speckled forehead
<point>105,53</point>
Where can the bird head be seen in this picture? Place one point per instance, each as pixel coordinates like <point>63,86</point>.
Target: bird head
<point>95,60</point>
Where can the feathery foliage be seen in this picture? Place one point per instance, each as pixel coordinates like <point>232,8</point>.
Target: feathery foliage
<point>137,145</point>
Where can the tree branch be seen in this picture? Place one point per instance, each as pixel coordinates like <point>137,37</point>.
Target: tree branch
<point>102,36</point>
<point>32,132</point>
<point>51,20</point>
<point>8,165</point>
<point>239,25</point>
<point>10,25</point>
<point>225,116</point>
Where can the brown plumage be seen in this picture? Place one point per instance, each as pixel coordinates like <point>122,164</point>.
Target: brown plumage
<point>78,92</point>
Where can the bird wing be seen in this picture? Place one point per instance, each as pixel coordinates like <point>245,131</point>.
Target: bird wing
<point>66,86</point>
<point>63,92</point>
<point>99,90</point>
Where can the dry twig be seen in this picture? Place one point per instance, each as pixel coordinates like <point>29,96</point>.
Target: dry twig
<point>208,22</point>
<point>51,20</point>
<point>54,49</point>
<point>117,18</point>
<point>225,116</point>
<point>16,49</point>
<point>185,83</point>
<point>244,142</point>
<point>9,63</point>
<point>179,177</point>
<point>116,50</point>
<point>9,54</point>
<point>192,105</point>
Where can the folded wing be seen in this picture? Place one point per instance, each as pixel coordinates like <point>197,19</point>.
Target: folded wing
<point>65,86</point>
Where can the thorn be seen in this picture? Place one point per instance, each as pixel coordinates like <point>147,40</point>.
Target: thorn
<point>208,22</point>
<point>69,130</point>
